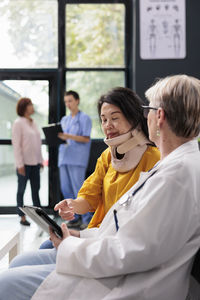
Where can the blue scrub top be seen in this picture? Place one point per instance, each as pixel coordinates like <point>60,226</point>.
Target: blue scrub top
<point>75,153</point>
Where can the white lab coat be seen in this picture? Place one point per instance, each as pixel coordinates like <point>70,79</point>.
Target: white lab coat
<point>150,256</point>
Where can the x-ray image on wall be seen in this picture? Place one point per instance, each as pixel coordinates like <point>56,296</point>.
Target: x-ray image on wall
<point>162,29</point>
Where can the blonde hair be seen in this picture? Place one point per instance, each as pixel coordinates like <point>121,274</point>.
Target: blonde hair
<point>179,96</point>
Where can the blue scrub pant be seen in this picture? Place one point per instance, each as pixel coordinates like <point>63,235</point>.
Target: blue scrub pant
<point>26,273</point>
<point>71,180</point>
<point>32,174</point>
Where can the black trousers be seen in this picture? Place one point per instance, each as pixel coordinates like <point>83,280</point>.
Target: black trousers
<point>32,174</point>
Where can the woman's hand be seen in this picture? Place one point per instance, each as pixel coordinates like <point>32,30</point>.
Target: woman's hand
<point>63,136</point>
<point>56,240</point>
<point>21,171</point>
<point>66,233</point>
<point>65,209</point>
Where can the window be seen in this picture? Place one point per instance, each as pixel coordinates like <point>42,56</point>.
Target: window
<point>47,47</point>
<point>95,35</point>
<point>91,85</point>
<point>10,92</point>
<point>95,53</point>
<point>28,34</point>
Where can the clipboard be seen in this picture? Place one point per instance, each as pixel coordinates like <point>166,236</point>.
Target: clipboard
<point>51,134</point>
<point>40,217</point>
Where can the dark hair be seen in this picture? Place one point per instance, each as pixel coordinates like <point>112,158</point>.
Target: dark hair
<point>22,105</point>
<point>130,105</point>
<point>73,93</point>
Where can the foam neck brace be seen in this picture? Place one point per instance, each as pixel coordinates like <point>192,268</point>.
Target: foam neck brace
<point>132,145</point>
<point>127,141</point>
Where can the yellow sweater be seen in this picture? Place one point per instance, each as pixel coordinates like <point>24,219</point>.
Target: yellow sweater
<point>106,185</point>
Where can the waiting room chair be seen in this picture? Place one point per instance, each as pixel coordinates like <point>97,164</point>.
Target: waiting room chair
<point>97,147</point>
<point>194,292</point>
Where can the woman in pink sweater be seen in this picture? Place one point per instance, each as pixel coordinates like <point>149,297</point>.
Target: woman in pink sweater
<point>27,152</point>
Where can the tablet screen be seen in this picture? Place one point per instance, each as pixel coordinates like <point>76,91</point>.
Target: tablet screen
<point>39,216</point>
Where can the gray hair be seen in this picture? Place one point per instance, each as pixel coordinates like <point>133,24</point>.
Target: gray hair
<point>179,97</point>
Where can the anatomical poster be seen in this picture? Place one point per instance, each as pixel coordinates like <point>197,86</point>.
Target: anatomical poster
<point>162,29</point>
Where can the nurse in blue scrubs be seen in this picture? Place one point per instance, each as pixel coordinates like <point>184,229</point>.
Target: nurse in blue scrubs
<point>74,154</point>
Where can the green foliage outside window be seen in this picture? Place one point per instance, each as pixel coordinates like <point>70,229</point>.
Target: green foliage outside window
<point>94,39</point>
<point>95,35</point>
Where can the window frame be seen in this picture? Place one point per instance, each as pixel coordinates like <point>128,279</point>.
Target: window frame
<point>57,84</point>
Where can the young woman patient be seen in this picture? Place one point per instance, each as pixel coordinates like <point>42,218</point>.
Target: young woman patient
<point>118,168</point>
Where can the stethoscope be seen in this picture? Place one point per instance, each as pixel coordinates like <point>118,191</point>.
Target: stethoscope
<point>129,199</point>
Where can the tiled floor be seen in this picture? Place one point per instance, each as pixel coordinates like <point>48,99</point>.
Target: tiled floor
<point>8,188</point>
<point>30,237</point>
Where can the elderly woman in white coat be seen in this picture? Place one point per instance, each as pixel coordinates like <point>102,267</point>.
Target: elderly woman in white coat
<point>145,246</point>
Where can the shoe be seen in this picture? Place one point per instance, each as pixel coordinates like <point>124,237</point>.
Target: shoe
<point>74,224</point>
<point>25,223</point>
<point>83,226</point>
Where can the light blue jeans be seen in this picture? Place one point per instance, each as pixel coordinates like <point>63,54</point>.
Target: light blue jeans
<point>25,274</point>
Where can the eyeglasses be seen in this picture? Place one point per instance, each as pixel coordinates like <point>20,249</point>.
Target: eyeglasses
<point>146,110</point>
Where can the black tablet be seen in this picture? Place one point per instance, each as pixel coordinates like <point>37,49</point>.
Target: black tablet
<point>51,134</point>
<point>39,216</point>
